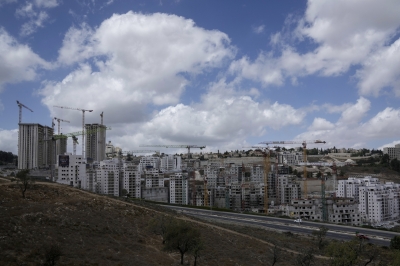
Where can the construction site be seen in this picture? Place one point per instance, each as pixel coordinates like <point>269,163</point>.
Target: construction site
<point>262,179</point>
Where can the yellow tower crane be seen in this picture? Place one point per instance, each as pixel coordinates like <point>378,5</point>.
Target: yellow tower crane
<point>304,144</point>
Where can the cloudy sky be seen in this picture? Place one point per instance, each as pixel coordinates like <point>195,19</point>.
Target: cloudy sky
<point>225,73</point>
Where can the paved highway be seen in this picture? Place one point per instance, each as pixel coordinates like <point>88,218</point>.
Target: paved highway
<point>339,232</point>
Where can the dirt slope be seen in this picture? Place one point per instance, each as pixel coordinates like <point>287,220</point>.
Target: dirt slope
<point>96,230</point>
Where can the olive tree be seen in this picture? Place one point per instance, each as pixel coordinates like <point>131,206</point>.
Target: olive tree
<point>24,181</point>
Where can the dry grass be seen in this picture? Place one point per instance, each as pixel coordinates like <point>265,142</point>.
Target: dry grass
<point>98,230</point>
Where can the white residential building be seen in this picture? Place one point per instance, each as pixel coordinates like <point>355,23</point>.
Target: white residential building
<point>148,163</point>
<point>393,152</point>
<point>350,188</point>
<point>179,189</point>
<point>72,171</point>
<point>379,202</point>
<point>107,177</point>
<point>170,163</point>
<point>131,180</point>
<point>290,158</point>
<point>35,147</point>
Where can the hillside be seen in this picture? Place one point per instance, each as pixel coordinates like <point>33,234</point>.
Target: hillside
<point>91,229</point>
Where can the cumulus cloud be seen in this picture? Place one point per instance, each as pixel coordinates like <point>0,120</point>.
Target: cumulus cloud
<point>351,131</point>
<point>345,33</point>
<point>215,121</point>
<point>18,61</point>
<point>8,140</point>
<point>139,60</point>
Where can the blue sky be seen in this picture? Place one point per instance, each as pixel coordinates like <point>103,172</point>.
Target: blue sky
<point>225,74</point>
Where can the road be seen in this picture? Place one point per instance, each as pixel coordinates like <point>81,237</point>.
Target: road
<point>339,232</point>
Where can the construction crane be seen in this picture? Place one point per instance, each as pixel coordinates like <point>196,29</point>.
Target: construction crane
<point>304,144</point>
<point>177,146</point>
<point>20,105</point>
<point>74,134</point>
<point>83,124</point>
<point>59,126</point>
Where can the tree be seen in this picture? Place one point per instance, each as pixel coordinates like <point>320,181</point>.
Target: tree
<point>160,225</point>
<point>181,237</point>
<point>24,181</point>
<point>320,234</point>
<point>385,159</point>
<point>52,253</point>
<point>196,249</point>
<point>395,242</point>
<point>129,157</point>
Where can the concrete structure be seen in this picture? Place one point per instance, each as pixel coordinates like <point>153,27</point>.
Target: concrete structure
<point>170,163</point>
<point>290,158</point>
<point>108,178</point>
<point>178,188</point>
<point>148,163</point>
<point>350,188</point>
<point>95,143</point>
<point>72,171</point>
<point>131,180</point>
<point>379,202</point>
<point>33,151</point>
<point>110,151</point>
<point>343,211</point>
<point>393,152</point>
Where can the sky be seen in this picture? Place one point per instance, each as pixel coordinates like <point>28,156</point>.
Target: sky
<point>225,74</point>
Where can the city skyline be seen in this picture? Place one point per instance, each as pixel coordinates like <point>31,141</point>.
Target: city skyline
<point>217,73</point>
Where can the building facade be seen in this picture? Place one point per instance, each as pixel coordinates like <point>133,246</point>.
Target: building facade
<point>35,147</point>
<point>95,142</point>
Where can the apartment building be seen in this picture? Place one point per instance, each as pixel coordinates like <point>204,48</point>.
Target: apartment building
<point>179,188</point>
<point>35,147</point>
<point>95,142</point>
<point>131,180</point>
<point>350,188</point>
<point>343,211</point>
<point>71,170</point>
<point>154,188</point>
<point>108,178</point>
<point>170,163</point>
<point>379,202</point>
<point>393,152</point>
<point>148,163</point>
<point>290,158</point>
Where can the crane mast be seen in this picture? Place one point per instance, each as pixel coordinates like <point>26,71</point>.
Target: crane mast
<point>20,105</point>
<point>304,144</point>
<point>83,124</point>
<point>59,123</point>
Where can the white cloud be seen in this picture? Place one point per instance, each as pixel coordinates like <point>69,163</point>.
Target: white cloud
<point>380,71</point>
<point>2,2</point>
<point>215,121</point>
<point>8,140</point>
<point>46,3</point>
<point>351,131</point>
<point>35,14</point>
<point>258,29</point>
<point>346,33</point>
<point>389,144</point>
<point>139,60</point>
<point>18,61</point>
